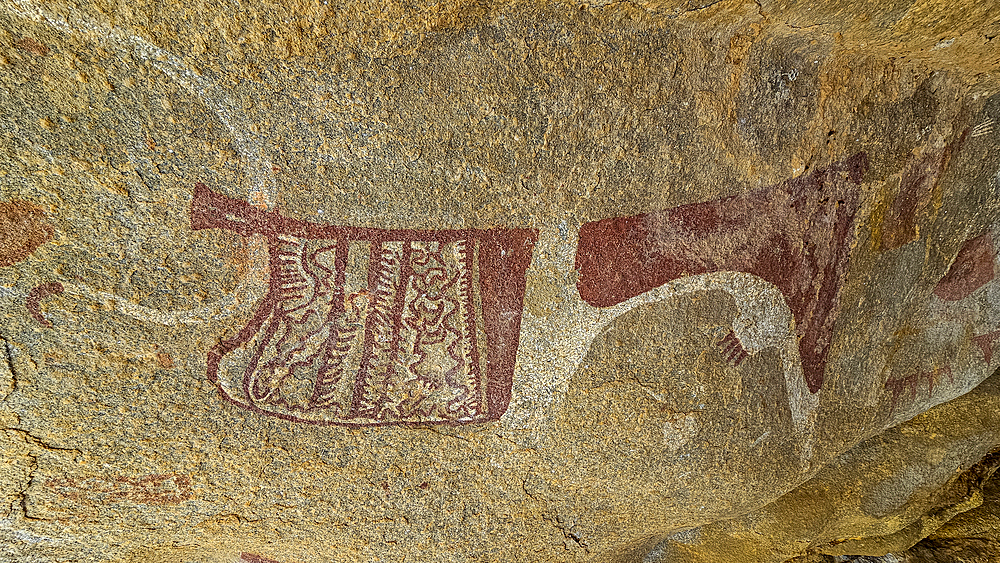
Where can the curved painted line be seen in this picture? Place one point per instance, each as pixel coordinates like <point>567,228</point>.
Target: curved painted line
<point>262,191</point>
<point>34,300</point>
<point>553,345</point>
<point>226,306</point>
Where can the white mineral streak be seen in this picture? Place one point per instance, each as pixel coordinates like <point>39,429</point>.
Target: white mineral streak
<point>29,537</point>
<point>553,345</point>
<point>679,431</point>
<point>262,186</point>
<point>983,128</point>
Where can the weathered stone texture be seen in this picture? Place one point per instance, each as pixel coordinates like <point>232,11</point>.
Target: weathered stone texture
<point>471,281</point>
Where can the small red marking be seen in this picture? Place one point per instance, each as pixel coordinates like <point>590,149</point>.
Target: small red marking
<point>32,46</point>
<point>164,360</point>
<point>985,343</point>
<point>796,235</point>
<point>912,382</point>
<point>35,296</point>
<point>254,558</point>
<point>161,489</point>
<point>973,268</point>
<point>732,349</point>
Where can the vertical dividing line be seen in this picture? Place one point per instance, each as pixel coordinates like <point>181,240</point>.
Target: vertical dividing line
<point>472,319</point>
<point>372,319</point>
<point>405,273</point>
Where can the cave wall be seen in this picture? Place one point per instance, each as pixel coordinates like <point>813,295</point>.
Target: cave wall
<point>476,281</point>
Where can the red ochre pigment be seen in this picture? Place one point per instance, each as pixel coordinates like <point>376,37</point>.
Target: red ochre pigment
<point>23,229</point>
<point>34,301</point>
<point>796,235</point>
<point>972,269</point>
<point>368,327</point>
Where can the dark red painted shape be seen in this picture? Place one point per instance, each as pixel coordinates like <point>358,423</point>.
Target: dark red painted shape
<point>34,300</point>
<point>32,45</point>
<point>23,228</point>
<point>985,343</point>
<point>972,269</point>
<point>913,381</point>
<point>732,349</point>
<point>916,188</point>
<point>503,259</point>
<point>796,235</point>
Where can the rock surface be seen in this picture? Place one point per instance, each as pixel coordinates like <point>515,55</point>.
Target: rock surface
<point>882,497</point>
<point>496,281</point>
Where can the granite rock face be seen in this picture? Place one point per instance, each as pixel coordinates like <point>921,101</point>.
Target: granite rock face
<point>882,497</point>
<point>467,281</point>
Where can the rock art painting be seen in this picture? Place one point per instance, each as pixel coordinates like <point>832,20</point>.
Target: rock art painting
<point>973,268</point>
<point>912,382</point>
<point>960,320</point>
<point>795,235</point>
<point>985,344</point>
<point>374,327</point>
<point>365,327</point>
<point>31,45</point>
<point>34,301</point>
<point>731,349</point>
<point>780,252</point>
<point>23,228</point>
<point>917,184</point>
<point>158,489</point>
